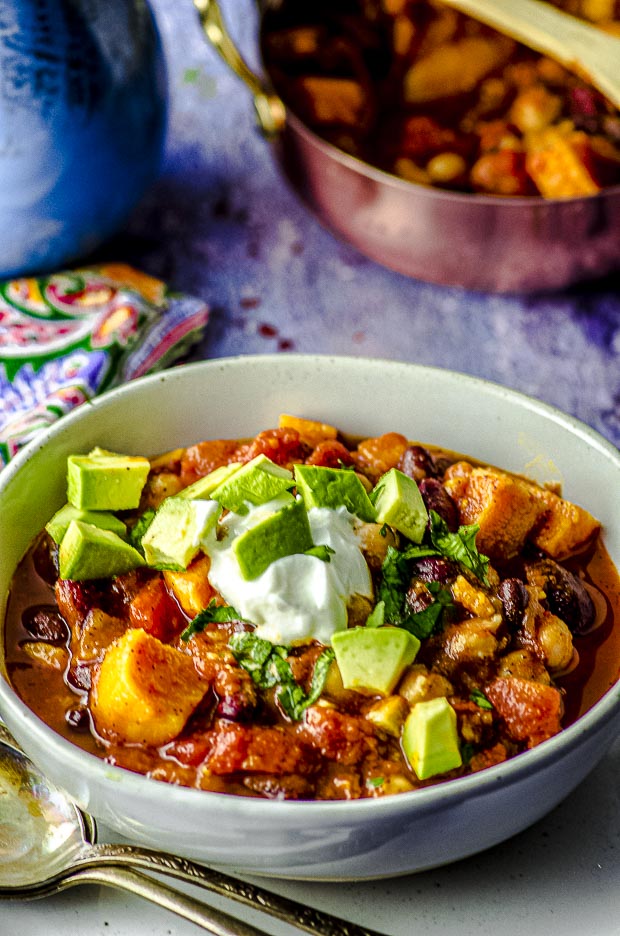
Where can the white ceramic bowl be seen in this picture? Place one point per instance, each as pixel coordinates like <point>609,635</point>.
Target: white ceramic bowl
<point>238,397</point>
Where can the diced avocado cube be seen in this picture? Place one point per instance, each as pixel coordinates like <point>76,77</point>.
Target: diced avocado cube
<point>398,502</point>
<point>258,481</point>
<point>176,532</point>
<point>106,481</point>
<point>57,526</point>
<point>430,738</point>
<point>374,658</point>
<point>283,533</point>
<point>333,487</point>
<point>87,552</point>
<point>203,488</point>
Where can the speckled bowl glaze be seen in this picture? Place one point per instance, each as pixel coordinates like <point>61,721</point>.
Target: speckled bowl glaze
<point>238,397</point>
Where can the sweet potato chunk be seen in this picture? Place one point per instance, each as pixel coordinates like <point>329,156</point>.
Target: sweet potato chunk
<point>510,510</point>
<point>310,431</point>
<point>505,507</point>
<point>192,588</point>
<point>565,527</point>
<point>455,67</point>
<point>145,690</point>
<point>557,164</point>
<point>326,100</point>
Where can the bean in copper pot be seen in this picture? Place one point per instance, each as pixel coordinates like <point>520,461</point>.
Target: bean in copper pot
<point>566,595</point>
<point>515,598</point>
<point>436,498</point>
<point>44,622</point>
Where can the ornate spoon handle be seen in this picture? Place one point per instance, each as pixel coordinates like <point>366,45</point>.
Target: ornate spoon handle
<point>315,922</point>
<point>213,921</point>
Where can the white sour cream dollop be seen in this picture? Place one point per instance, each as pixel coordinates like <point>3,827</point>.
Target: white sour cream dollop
<point>298,597</point>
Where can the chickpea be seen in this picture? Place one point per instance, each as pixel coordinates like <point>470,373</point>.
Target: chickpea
<point>446,167</point>
<point>523,664</point>
<point>421,685</point>
<point>555,641</point>
<point>374,539</point>
<point>598,10</point>
<point>535,108</point>
<point>470,641</point>
<point>407,169</point>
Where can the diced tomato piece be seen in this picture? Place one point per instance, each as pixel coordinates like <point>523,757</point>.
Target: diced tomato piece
<point>201,459</point>
<point>283,446</point>
<point>330,454</point>
<point>530,710</point>
<point>256,748</point>
<point>189,751</point>
<point>155,611</point>
<point>340,737</point>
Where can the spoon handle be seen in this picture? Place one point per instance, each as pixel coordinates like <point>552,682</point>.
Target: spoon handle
<point>580,47</point>
<point>308,919</point>
<point>213,921</point>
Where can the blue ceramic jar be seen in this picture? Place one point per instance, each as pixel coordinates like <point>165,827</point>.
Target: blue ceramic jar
<point>82,120</point>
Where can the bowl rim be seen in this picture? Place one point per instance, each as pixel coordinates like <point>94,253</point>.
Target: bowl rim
<point>425,799</point>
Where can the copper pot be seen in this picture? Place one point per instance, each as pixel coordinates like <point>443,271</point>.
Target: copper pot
<point>479,242</point>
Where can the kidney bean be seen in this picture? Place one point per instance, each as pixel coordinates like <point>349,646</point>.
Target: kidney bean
<point>417,463</point>
<point>566,595</point>
<point>514,597</point>
<point>79,677</point>
<point>44,622</point>
<point>234,708</point>
<point>45,559</point>
<point>436,498</point>
<point>78,718</point>
<point>435,569</point>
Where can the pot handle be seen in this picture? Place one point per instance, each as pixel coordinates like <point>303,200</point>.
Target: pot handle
<point>270,109</point>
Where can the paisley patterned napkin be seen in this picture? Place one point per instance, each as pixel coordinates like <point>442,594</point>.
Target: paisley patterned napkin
<point>67,337</point>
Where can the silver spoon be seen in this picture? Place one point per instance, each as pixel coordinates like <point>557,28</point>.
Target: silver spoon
<point>47,844</point>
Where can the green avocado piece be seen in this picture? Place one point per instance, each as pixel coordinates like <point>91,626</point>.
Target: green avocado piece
<point>57,526</point>
<point>176,532</point>
<point>398,502</point>
<point>333,487</point>
<point>203,488</point>
<point>88,552</point>
<point>258,481</point>
<point>430,738</point>
<point>105,480</point>
<point>374,658</point>
<point>283,533</point>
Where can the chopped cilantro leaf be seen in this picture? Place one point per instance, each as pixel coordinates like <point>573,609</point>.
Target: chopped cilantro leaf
<point>460,546</point>
<point>423,623</point>
<point>322,552</point>
<point>376,618</point>
<point>392,593</point>
<point>267,665</point>
<point>209,614</point>
<point>480,699</point>
<point>377,781</point>
<point>140,527</point>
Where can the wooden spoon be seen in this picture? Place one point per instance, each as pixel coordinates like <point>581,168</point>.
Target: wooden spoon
<point>586,50</point>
